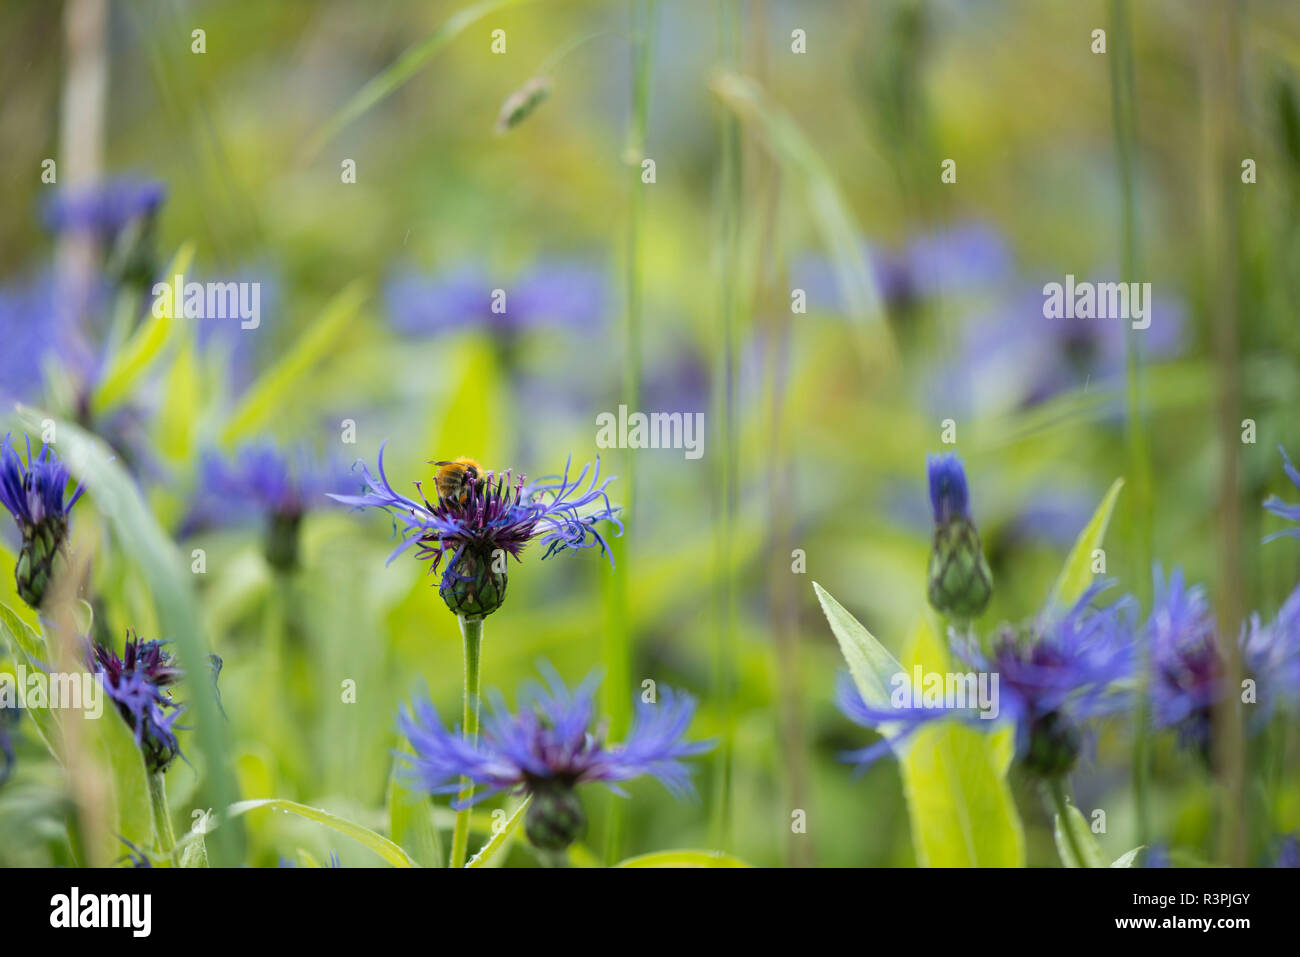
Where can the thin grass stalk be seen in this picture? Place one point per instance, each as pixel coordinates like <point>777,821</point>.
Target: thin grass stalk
<point>725,590</point>
<point>619,631</point>
<point>1139,525</point>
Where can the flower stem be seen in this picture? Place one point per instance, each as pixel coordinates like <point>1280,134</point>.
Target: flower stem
<point>1063,812</point>
<point>1141,531</point>
<point>471,630</point>
<point>162,819</point>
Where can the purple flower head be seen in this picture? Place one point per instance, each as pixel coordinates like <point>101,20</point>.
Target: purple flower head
<point>262,482</point>
<point>138,684</point>
<point>1186,662</point>
<point>35,493</point>
<point>949,497</point>
<point>550,746</point>
<point>1278,507</point>
<point>557,293</point>
<point>495,515</point>
<point>105,208</point>
<point>1270,654</point>
<point>1059,673</point>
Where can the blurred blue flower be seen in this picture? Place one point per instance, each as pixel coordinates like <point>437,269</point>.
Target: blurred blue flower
<point>498,515</point>
<point>138,684</point>
<point>1270,654</point>
<point>1186,664</point>
<point>557,293</point>
<point>35,493</point>
<point>549,747</point>
<point>1288,852</point>
<point>1061,671</point>
<point>1280,508</point>
<point>8,720</point>
<point>261,482</point>
<point>1064,670</point>
<point>968,257</point>
<point>104,208</point>
<point>30,330</point>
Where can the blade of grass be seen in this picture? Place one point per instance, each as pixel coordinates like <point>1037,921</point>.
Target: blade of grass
<point>408,64</point>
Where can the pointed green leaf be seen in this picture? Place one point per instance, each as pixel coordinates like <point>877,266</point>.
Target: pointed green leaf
<point>363,835</point>
<point>954,779</point>
<point>500,836</point>
<point>683,859</point>
<point>1128,858</point>
<point>1083,836</point>
<point>1077,574</point>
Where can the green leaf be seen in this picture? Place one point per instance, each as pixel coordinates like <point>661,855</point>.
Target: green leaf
<point>954,779</point>
<point>1093,856</point>
<point>683,859</point>
<point>114,741</point>
<point>870,664</point>
<point>407,65</point>
<point>499,836</point>
<point>23,637</point>
<point>363,835</point>
<point>274,390</point>
<point>1128,858</point>
<point>133,360</point>
<point>1077,574</point>
<point>194,853</point>
<point>410,822</point>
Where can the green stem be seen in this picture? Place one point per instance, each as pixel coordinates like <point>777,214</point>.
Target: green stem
<point>162,819</point>
<point>1141,530</point>
<point>617,651</point>
<point>471,630</point>
<point>1057,788</point>
<point>729,262</point>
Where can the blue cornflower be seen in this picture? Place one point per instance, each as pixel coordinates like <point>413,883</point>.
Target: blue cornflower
<point>138,684</point>
<point>547,749</point>
<point>495,515</point>
<point>1288,852</point>
<point>1187,678</point>
<point>554,292</point>
<point>1061,672</point>
<point>1278,507</point>
<point>262,482</point>
<point>8,719</point>
<point>960,582</point>
<point>1052,676</point>
<point>34,493</point>
<point>105,208</point>
<point>1270,654</point>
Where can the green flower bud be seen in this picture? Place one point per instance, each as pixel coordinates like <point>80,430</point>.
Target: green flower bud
<point>1053,746</point>
<point>282,540</point>
<point>960,581</point>
<point>40,550</point>
<point>555,818</point>
<point>475,588</point>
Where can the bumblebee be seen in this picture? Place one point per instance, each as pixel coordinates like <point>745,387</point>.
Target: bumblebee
<point>455,478</point>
